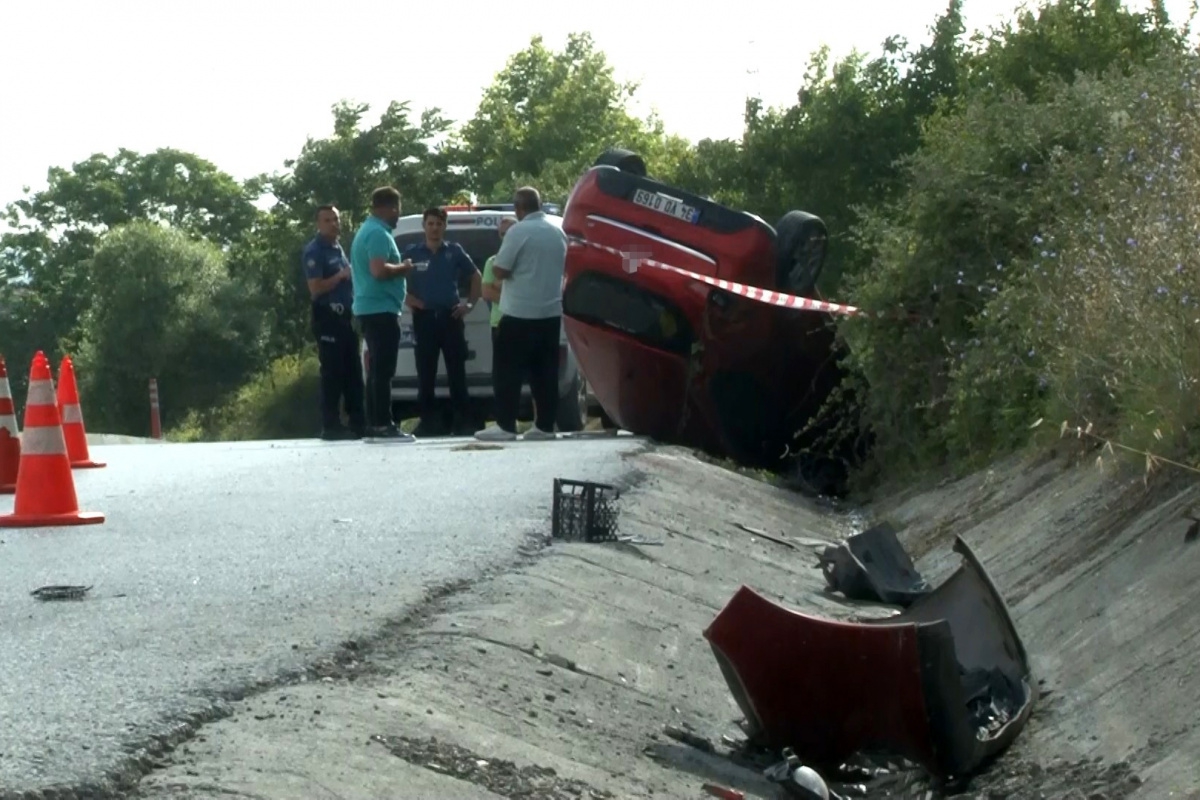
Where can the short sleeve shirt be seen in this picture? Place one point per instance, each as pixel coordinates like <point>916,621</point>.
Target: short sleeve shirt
<point>535,251</point>
<point>489,276</point>
<point>323,259</point>
<point>371,295</point>
<point>436,275</point>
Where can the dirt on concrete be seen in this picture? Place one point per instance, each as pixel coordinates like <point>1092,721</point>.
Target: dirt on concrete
<point>582,673</point>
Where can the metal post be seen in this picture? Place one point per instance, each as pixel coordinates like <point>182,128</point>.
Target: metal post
<point>155,418</point>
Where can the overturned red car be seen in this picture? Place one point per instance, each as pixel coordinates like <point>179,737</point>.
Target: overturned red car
<point>675,358</point>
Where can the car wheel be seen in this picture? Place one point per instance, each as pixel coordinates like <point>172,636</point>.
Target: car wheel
<point>624,160</point>
<point>572,407</point>
<point>800,242</point>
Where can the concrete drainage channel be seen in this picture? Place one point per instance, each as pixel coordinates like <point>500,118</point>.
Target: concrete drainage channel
<point>450,688</point>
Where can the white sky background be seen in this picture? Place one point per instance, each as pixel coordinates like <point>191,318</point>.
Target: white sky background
<point>244,83</point>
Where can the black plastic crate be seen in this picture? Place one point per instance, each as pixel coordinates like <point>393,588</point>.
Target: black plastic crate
<point>584,510</point>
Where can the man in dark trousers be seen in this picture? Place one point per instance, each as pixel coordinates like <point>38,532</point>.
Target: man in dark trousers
<point>438,328</point>
<point>378,297</point>
<point>530,266</point>
<point>328,274</point>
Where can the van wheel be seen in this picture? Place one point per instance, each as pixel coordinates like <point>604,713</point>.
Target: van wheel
<point>572,407</point>
<point>624,160</point>
<point>800,242</point>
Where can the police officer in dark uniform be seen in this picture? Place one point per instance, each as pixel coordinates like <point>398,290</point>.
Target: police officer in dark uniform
<point>438,309</point>
<point>328,274</point>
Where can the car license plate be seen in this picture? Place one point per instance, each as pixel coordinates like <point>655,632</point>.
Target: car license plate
<point>656,201</point>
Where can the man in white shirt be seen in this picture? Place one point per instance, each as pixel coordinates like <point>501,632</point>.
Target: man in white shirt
<point>530,267</point>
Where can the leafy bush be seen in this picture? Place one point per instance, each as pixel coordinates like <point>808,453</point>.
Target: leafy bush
<point>162,306</point>
<point>1039,264</point>
<point>1115,290</point>
<point>281,403</point>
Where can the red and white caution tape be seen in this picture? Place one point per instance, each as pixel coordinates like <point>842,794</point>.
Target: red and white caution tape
<point>632,262</point>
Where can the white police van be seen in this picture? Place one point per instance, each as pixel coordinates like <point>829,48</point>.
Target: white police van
<point>476,228</point>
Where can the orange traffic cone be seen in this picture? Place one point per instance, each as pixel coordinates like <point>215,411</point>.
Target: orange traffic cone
<point>10,436</point>
<point>45,488</point>
<point>72,418</point>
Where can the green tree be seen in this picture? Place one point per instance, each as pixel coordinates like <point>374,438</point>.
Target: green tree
<point>164,307</point>
<point>547,116</point>
<point>974,207</point>
<point>344,168</point>
<point>341,169</point>
<point>838,148</point>
<point>1067,37</point>
<point>53,233</point>
<point>267,263</point>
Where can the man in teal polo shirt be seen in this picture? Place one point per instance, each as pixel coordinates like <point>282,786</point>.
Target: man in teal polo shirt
<point>378,276</point>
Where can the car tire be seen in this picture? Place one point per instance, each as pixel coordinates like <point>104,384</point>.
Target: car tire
<point>800,244</point>
<point>624,160</point>
<point>572,407</point>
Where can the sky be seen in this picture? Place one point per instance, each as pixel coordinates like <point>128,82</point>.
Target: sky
<point>243,83</point>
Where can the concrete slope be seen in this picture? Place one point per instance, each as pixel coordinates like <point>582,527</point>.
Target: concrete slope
<point>564,678</point>
<point>1105,592</point>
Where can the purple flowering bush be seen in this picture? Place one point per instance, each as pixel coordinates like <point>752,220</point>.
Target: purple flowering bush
<point>1111,294</point>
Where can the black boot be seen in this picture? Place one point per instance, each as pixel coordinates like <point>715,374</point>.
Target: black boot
<point>339,433</point>
<point>427,429</point>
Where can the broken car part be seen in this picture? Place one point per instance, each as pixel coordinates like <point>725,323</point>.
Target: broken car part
<point>946,683</point>
<point>797,779</point>
<point>873,565</point>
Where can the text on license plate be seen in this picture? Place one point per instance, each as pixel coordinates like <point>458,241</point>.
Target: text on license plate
<point>665,205</point>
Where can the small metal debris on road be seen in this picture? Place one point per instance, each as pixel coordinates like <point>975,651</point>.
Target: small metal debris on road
<point>636,540</point>
<point>61,592</point>
<point>798,779</point>
<point>584,510</point>
<point>760,533</point>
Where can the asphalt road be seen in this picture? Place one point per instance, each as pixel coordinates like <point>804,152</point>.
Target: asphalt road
<point>239,561</point>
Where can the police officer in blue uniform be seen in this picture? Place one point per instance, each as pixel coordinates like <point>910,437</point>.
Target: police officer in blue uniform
<point>328,273</point>
<point>438,327</point>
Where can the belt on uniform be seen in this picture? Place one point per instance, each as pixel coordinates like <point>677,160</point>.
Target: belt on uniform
<point>338,309</point>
